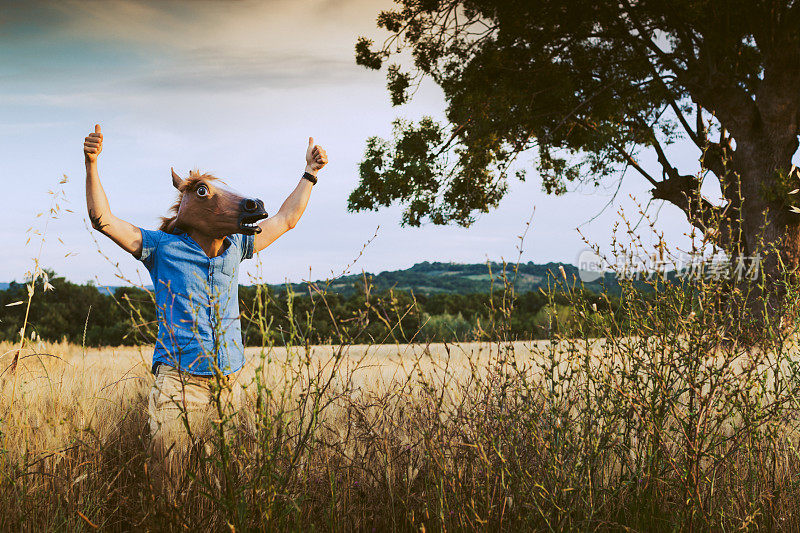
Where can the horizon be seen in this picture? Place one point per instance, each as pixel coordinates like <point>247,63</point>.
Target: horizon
<point>494,262</point>
<point>232,90</point>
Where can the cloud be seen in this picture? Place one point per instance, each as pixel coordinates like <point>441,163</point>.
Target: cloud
<point>212,71</point>
<point>172,25</point>
<point>60,51</point>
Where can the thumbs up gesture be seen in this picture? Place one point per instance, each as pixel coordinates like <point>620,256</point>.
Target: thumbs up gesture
<point>93,145</point>
<point>316,158</point>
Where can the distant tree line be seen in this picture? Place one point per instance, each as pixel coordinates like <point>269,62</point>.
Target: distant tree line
<point>470,278</point>
<point>86,314</point>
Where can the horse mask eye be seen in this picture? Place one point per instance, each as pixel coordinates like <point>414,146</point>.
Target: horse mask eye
<point>202,191</point>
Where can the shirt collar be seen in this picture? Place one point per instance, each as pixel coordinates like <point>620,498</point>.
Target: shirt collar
<point>188,239</point>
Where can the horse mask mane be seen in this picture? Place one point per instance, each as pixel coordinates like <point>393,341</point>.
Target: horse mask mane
<point>203,205</point>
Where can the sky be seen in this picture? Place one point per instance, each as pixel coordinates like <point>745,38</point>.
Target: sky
<point>236,88</point>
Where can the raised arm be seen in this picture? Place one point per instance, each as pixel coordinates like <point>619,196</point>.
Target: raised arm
<point>293,207</point>
<point>125,234</point>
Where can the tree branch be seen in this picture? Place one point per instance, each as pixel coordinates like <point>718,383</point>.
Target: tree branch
<point>707,85</point>
<point>644,38</point>
<point>682,119</point>
<point>718,224</point>
<point>632,162</point>
<point>695,136</point>
<point>700,125</point>
<point>683,191</point>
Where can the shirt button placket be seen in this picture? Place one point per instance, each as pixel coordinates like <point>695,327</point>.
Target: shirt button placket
<point>219,312</point>
<point>211,307</point>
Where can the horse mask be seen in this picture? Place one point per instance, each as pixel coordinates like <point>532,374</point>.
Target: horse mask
<point>205,206</point>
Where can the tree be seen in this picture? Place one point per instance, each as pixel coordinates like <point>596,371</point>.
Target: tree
<point>588,87</point>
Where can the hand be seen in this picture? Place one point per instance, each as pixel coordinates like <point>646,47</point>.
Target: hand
<point>93,145</point>
<point>316,158</point>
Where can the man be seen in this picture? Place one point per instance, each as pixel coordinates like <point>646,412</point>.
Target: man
<point>193,260</point>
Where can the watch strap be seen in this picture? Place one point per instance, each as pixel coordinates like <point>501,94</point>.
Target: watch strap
<point>310,177</point>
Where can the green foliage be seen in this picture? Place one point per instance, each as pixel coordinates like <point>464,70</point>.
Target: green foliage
<point>429,301</point>
<point>583,86</point>
<point>406,171</point>
<point>65,311</point>
<point>446,327</point>
<point>456,278</point>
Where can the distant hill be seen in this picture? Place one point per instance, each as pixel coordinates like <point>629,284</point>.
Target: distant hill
<point>447,278</point>
<point>457,278</point>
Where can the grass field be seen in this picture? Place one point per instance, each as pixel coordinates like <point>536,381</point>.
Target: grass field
<point>544,436</point>
<point>63,390</point>
<point>74,434</point>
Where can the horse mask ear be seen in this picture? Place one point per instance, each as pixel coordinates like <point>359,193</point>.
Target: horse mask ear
<point>177,181</point>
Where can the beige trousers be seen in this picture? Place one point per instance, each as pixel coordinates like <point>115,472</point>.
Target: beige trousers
<point>184,407</point>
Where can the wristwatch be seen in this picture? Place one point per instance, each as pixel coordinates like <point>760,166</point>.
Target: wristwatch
<point>310,177</point>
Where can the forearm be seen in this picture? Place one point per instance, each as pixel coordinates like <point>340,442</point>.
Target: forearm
<point>126,235</point>
<point>295,205</point>
<point>96,200</point>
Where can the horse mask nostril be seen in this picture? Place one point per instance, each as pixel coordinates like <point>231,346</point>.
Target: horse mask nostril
<point>250,205</point>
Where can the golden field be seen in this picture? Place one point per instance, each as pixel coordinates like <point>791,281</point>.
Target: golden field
<point>75,435</point>
<point>575,434</point>
<point>63,389</point>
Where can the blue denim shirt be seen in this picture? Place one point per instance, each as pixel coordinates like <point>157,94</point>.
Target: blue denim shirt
<point>197,300</point>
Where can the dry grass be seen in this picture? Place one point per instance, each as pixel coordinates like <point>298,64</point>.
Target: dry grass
<point>65,391</point>
<point>75,435</point>
<point>460,437</point>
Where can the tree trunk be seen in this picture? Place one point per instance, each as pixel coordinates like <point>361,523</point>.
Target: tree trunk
<point>770,232</point>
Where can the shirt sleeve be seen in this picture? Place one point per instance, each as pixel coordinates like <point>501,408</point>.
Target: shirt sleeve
<point>150,240</point>
<point>247,246</point>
